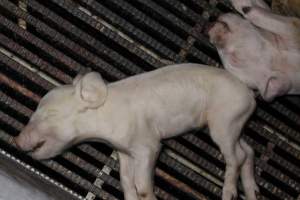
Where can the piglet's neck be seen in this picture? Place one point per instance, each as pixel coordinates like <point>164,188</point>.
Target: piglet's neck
<point>94,124</point>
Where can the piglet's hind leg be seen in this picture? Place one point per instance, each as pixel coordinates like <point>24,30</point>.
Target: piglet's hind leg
<point>227,139</point>
<point>225,129</point>
<point>247,172</point>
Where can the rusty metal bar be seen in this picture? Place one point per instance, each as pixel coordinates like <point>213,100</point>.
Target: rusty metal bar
<point>183,10</point>
<point>5,23</point>
<point>179,184</point>
<point>25,72</point>
<point>18,87</point>
<point>32,58</point>
<point>83,37</point>
<point>8,101</point>
<point>111,32</point>
<point>130,30</point>
<point>61,40</point>
<point>166,36</point>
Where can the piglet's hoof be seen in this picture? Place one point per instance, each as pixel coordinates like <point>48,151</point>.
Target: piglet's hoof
<point>229,194</point>
<point>246,9</point>
<point>257,194</point>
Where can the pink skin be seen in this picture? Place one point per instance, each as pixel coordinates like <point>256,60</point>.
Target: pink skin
<point>262,49</point>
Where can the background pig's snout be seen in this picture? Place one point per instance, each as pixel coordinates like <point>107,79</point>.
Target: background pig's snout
<point>208,27</point>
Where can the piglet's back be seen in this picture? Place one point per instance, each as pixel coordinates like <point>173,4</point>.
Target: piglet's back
<point>181,91</point>
<point>174,74</point>
<point>176,83</point>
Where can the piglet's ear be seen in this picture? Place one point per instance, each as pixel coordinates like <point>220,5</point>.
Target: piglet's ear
<point>91,90</point>
<point>81,73</point>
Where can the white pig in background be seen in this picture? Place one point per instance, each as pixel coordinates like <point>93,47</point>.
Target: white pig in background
<point>262,49</point>
<point>134,114</point>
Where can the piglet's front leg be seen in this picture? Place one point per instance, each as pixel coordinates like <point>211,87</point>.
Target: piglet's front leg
<point>144,163</point>
<point>137,170</point>
<point>127,176</point>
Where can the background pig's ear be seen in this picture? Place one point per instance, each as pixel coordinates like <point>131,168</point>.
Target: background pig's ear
<point>92,90</point>
<point>276,86</point>
<point>77,78</point>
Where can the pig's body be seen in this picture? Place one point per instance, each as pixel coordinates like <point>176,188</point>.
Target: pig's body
<point>261,49</point>
<point>163,103</point>
<point>137,112</point>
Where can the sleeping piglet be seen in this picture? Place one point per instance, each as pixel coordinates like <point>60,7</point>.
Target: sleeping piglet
<point>133,115</point>
<point>262,49</point>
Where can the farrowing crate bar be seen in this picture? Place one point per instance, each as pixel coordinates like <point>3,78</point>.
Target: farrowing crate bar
<point>46,43</point>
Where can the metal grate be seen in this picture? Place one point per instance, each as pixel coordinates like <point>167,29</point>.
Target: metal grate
<point>46,43</point>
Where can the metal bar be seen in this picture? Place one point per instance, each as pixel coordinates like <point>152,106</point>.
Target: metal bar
<point>130,30</point>
<point>34,59</point>
<point>60,39</point>
<point>83,37</point>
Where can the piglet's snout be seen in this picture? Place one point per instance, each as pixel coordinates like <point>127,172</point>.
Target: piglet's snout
<point>22,143</point>
<point>25,141</point>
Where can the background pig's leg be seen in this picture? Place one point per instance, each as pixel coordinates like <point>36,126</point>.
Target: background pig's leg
<point>144,162</point>
<point>247,172</point>
<point>261,4</point>
<point>272,22</point>
<point>127,177</point>
<point>240,4</point>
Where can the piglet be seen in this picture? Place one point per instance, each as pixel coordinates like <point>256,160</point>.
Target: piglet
<point>133,115</point>
<point>261,48</point>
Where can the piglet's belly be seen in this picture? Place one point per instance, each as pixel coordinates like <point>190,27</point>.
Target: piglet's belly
<point>176,125</point>
<point>173,116</point>
<point>180,119</point>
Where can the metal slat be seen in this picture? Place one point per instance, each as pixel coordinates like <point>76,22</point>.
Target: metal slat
<point>129,29</point>
<point>83,37</point>
<point>57,38</point>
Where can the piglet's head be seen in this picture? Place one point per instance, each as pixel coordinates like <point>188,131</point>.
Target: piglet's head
<point>52,127</point>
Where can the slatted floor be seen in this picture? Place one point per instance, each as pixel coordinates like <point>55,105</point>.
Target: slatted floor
<point>46,43</point>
